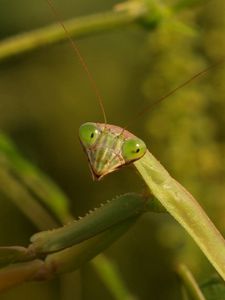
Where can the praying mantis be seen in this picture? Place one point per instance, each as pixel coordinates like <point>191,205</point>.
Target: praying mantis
<point>109,147</point>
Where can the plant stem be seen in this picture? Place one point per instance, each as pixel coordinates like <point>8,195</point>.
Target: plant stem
<point>110,275</point>
<point>189,282</point>
<point>77,27</point>
<point>24,200</point>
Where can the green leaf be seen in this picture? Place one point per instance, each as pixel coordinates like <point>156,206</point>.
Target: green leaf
<point>40,185</point>
<point>214,288</point>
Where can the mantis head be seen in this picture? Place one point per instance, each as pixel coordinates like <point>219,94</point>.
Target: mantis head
<point>109,147</point>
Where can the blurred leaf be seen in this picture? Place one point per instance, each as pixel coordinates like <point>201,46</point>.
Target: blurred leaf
<point>214,288</point>
<point>36,181</point>
<point>110,275</point>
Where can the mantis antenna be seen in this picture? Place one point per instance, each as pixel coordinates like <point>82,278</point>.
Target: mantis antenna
<point>94,85</point>
<point>173,91</point>
<point>80,58</point>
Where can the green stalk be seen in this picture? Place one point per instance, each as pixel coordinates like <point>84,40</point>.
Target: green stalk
<point>185,209</point>
<point>147,12</point>
<point>110,275</point>
<point>184,294</point>
<point>77,27</point>
<point>24,200</point>
<point>189,282</point>
<point>38,185</point>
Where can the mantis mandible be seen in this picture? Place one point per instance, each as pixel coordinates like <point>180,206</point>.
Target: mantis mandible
<point>110,147</point>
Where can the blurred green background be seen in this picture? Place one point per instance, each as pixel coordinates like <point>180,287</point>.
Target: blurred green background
<point>45,97</point>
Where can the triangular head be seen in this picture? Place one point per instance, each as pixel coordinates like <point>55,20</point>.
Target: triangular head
<point>109,147</point>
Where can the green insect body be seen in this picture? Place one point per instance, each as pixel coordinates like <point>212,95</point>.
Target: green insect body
<point>109,147</point>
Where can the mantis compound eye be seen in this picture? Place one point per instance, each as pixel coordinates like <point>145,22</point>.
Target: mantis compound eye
<point>133,149</point>
<point>89,133</point>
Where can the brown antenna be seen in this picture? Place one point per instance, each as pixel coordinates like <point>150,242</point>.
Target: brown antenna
<point>80,58</point>
<point>173,91</point>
